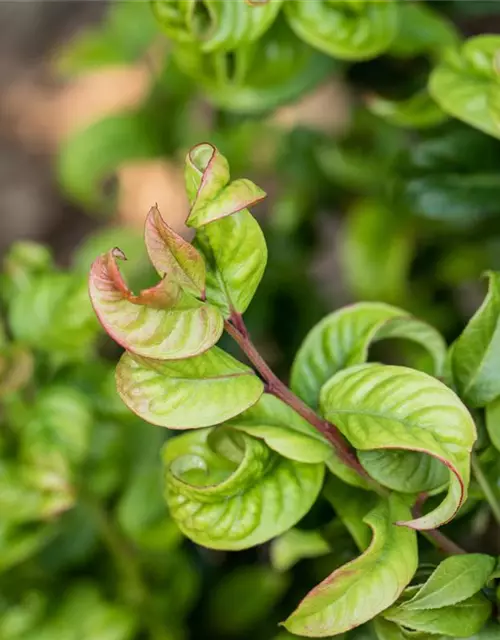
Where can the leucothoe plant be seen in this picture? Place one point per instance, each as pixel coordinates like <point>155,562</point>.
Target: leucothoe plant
<point>389,447</point>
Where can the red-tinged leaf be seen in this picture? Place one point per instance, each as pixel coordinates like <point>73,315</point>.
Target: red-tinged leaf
<point>174,256</point>
<point>163,322</point>
<point>206,172</point>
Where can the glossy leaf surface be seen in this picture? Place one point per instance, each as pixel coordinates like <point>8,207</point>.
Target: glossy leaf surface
<point>346,30</point>
<point>363,588</point>
<point>381,407</point>
<point>342,339</point>
<point>184,394</point>
<point>162,322</point>
<point>227,490</point>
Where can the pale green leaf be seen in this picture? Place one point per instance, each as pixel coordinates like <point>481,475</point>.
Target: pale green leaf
<point>346,30</point>
<point>387,630</point>
<point>172,255</point>
<point>351,505</point>
<point>476,352</point>
<point>490,632</point>
<point>342,339</point>
<point>283,430</point>
<point>492,415</point>
<point>235,255</point>
<point>455,579</point>
<point>380,407</point>
<point>459,621</point>
<point>185,394</point>
<point>363,588</point>
<point>162,322</point>
<point>227,490</point>
<point>419,111</point>
<point>466,83</point>
<point>295,545</point>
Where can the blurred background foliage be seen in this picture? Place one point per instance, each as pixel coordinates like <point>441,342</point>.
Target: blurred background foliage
<point>381,186</point>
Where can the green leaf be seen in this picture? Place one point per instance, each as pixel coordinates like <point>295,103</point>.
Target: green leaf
<point>258,76</point>
<point>185,394</point>
<point>455,579</point>
<point>16,368</point>
<point>126,33</point>
<point>295,545</point>
<point>227,490</point>
<point>363,588</point>
<point>162,322</point>
<point>172,255</point>
<point>492,415</point>
<point>466,84</point>
<point>244,598</point>
<point>474,355</point>
<point>52,314</point>
<point>213,25</point>
<point>419,111</point>
<point>379,407</point>
<point>18,543</point>
<point>342,339</point>
<point>351,505</point>
<point>459,621</point>
<point>346,30</point>
<point>386,630</point>
<point>283,430</point>
<point>490,632</point>
<point>373,274</point>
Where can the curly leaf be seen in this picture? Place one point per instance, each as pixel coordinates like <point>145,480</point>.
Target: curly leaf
<point>162,322</point>
<point>475,354</point>
<point>185,394</point>
<point>283,430</point>
<point>258,76</point>
<point>171,254</point>
<point>459,621</point>
<point>380,407</point>
<point>213,25</point>
<point>466,84</point>
<point>211,195</point>
<point>345,29</point>
<point>227,490</point>
<point>342,339</point>
<point>363,588</point>
<point>455,579</point>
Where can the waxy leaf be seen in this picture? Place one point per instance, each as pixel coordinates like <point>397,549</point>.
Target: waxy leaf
<point>211,195</point>
<point>459,621</point>
<point>475,354</point>
<point>346,30</point>
<point>466,84</point>
<point>492,415</point>
<point>363,588</point>
<point>227,490</point>
<point>185,394</point>
<point>454,580</point>
<point>221,25</point>
<point>283,430</point>
<point>342,339</point>
<point>162,322</point>
<point>172,255</point>
<point>380,407</point>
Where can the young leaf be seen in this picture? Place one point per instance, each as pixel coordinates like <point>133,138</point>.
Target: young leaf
<point>172,255</point>
<point>363,588</point>
<point>225,25</point>
<point>466,83</point>
<point>475,354</point>
<point>344,30</point>
<point>185,394</point>
<point>162,322</point>
<point>342,339</point>
<point>380,407</point>
<point>492,415</point>
<point>211,195</point>
<point>283,430</point>
<point>295,545</point>
<point>459,621</point>
<point>227,490</point>
<point>455,579</point>
<point>235,253</point>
